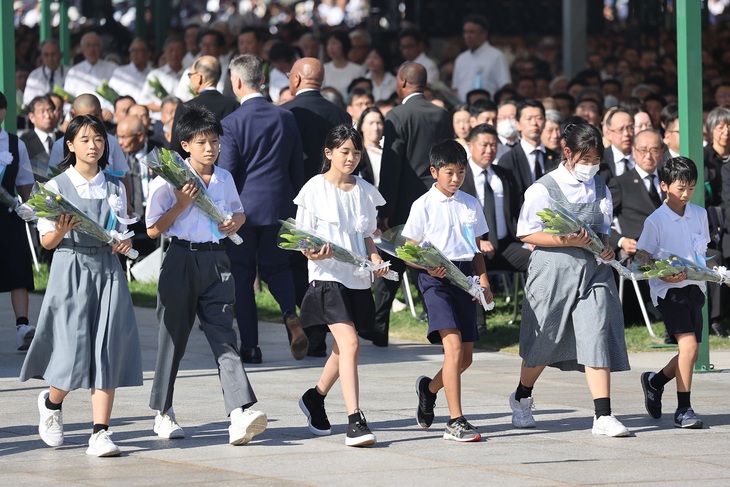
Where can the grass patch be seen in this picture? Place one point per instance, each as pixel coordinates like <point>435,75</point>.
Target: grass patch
<point>501,335</point>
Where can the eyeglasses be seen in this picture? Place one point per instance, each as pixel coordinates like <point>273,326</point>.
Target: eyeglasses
<point>288,75</point>
<point>628,129</point>
<point>190,74</point>
<point>655,151</point>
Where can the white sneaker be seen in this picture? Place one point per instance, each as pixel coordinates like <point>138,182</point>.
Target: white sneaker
<point>609,426</point>
<point>167,427</point>
<point>50,426</point>
<point>246,425</point>
<point>101,445</point>
<point>522,412</point>
<point>23,336</point>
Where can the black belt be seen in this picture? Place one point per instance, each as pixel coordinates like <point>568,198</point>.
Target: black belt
<point>85,250</point>
<point>198,246</point>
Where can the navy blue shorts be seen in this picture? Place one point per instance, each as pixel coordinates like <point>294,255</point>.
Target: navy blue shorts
<point>681,309</point>
<point>448,307</point>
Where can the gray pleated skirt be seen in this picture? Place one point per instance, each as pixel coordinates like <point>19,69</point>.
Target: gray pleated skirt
<point>571,314</point>
<point>86,336</point>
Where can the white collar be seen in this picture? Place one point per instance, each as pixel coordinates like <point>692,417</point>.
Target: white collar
<point>439,196</point>
<point>305,90</point>
<point>643,174</point>
<point>564,175</point>
<point>529,148</point>
<point>43,135</point>
<point>618,155</point>
<point>78,180</point>
<point>410,96</point>
<point>251,96</point>
<point>476,169</point>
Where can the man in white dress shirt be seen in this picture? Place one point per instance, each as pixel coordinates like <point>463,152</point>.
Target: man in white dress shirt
<point>413,49</point>
<point>129,79</point>
<point>168,75</point>
<point>86,76</point>
<point>42,79</point>
<point>39,141</point>
<point>481,65</point>
<point>619,130</point>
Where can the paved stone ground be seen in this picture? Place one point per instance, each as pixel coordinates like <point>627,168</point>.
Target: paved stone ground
<point>560,451</point>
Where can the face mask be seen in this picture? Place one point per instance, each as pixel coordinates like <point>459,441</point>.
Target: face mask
<point>507,128</point>
<point>584,172</point>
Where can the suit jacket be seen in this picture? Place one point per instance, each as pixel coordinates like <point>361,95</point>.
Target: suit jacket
<point>608,165</point>
<point>516,162</point>
<point>262,149</point>
<point>213,100</point>
<point>37,151</point>
<point>410,131</point>
<point>134,180</point>
<point>631,205</point>
<point>315,117</point>
<point>511,206</point>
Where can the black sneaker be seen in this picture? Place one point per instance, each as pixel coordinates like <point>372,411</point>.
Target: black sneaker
<point>652,397</point>
<point>358,433</point>
<point>426,402</point>
<point>461,430</point>
<point>313,407</point>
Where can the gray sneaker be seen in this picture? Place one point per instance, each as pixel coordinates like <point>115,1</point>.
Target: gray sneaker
<point>652,397</point>
<point>687,419</point>
<point>460,430</point>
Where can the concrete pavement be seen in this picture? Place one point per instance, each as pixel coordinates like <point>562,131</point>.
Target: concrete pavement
<point>560,451</point>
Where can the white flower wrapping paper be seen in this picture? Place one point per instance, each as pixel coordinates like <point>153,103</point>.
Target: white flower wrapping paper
<point>6,158</point>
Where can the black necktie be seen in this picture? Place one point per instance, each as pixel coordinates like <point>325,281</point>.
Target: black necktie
<point>50,79</point>
<point>489,212</point>
<point>538,168</point>
<point>653,194</point>
<point>49,143</point>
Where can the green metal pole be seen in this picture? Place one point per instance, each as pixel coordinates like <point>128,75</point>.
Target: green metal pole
<point>46,32</point>
<point>139,23</point>
<point>7,58</point>
<point>689,74</point>
<point>64,33</point>
<point>161,18</point>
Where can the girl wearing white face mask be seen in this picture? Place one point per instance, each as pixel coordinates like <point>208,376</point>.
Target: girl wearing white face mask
<point>571,315</point>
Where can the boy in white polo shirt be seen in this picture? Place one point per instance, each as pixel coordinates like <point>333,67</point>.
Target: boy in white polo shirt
<point>681,228</point>
<point>449,219</point>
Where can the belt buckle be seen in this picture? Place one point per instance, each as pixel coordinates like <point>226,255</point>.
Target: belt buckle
<point>192,247</point>
<point>93,250</point>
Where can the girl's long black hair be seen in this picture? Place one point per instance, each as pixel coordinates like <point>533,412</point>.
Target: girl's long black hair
<point>74,128</point>
<point>338,136</point>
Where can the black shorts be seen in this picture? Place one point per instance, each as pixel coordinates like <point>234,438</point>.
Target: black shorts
<point>327,302</point>
<point>681,309</point>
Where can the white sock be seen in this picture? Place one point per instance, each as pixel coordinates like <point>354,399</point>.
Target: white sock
<point>236,413</point>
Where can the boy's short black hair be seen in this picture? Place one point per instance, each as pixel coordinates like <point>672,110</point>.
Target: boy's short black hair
<point>680,168</point>
<point>195,120</point>
<point>447,152</point>
<point>3,101</point>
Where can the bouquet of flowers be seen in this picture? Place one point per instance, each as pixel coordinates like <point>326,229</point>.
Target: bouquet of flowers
<point>664,264</point>
<point>560,221</point>
<point>173,169</point>
<point>67,97</point>
<point>44,203</point>
<point>293,238</point>
<point>107,92</point>
<point>157,88</point>
<point>429,257</point>
<point>8,200</point>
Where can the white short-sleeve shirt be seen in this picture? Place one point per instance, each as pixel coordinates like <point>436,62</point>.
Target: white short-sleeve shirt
<point>449,223</point>
<point>89,190</point>
<point>537,199</point>
<point>686,236</point>
<point>127,80</point>
<point>193,224</point>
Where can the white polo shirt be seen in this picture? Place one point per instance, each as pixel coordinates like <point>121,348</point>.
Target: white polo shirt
<point>449,223</point>
<point>686,236</point>
<point>127,80</point>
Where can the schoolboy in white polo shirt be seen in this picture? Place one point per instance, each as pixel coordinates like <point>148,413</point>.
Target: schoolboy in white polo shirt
<point>450,220</point>
<point>680,228</point>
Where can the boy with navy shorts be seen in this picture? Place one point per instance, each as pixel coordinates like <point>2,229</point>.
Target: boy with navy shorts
<point>449,219</point>
<point>680,228</point>
<point>196,279</point>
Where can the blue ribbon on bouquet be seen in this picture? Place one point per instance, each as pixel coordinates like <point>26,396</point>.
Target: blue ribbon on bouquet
<point>468,231</point>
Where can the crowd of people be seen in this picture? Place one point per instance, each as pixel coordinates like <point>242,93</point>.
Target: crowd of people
<point>327,130</point>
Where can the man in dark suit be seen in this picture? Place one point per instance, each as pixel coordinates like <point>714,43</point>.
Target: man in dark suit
<point>617,157</point>
<point>39,141</point>
<point>261,148</point>
<point>204,76</point>
<point>135,144</point>
<point>315,117</point>
<point>529,159</point>
<point>410,131</point>
<point>494,187</point>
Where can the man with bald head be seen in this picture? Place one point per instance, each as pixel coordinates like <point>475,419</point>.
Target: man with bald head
<point>205,73</point>
<point>410,131</point>
<point>315,117</point>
